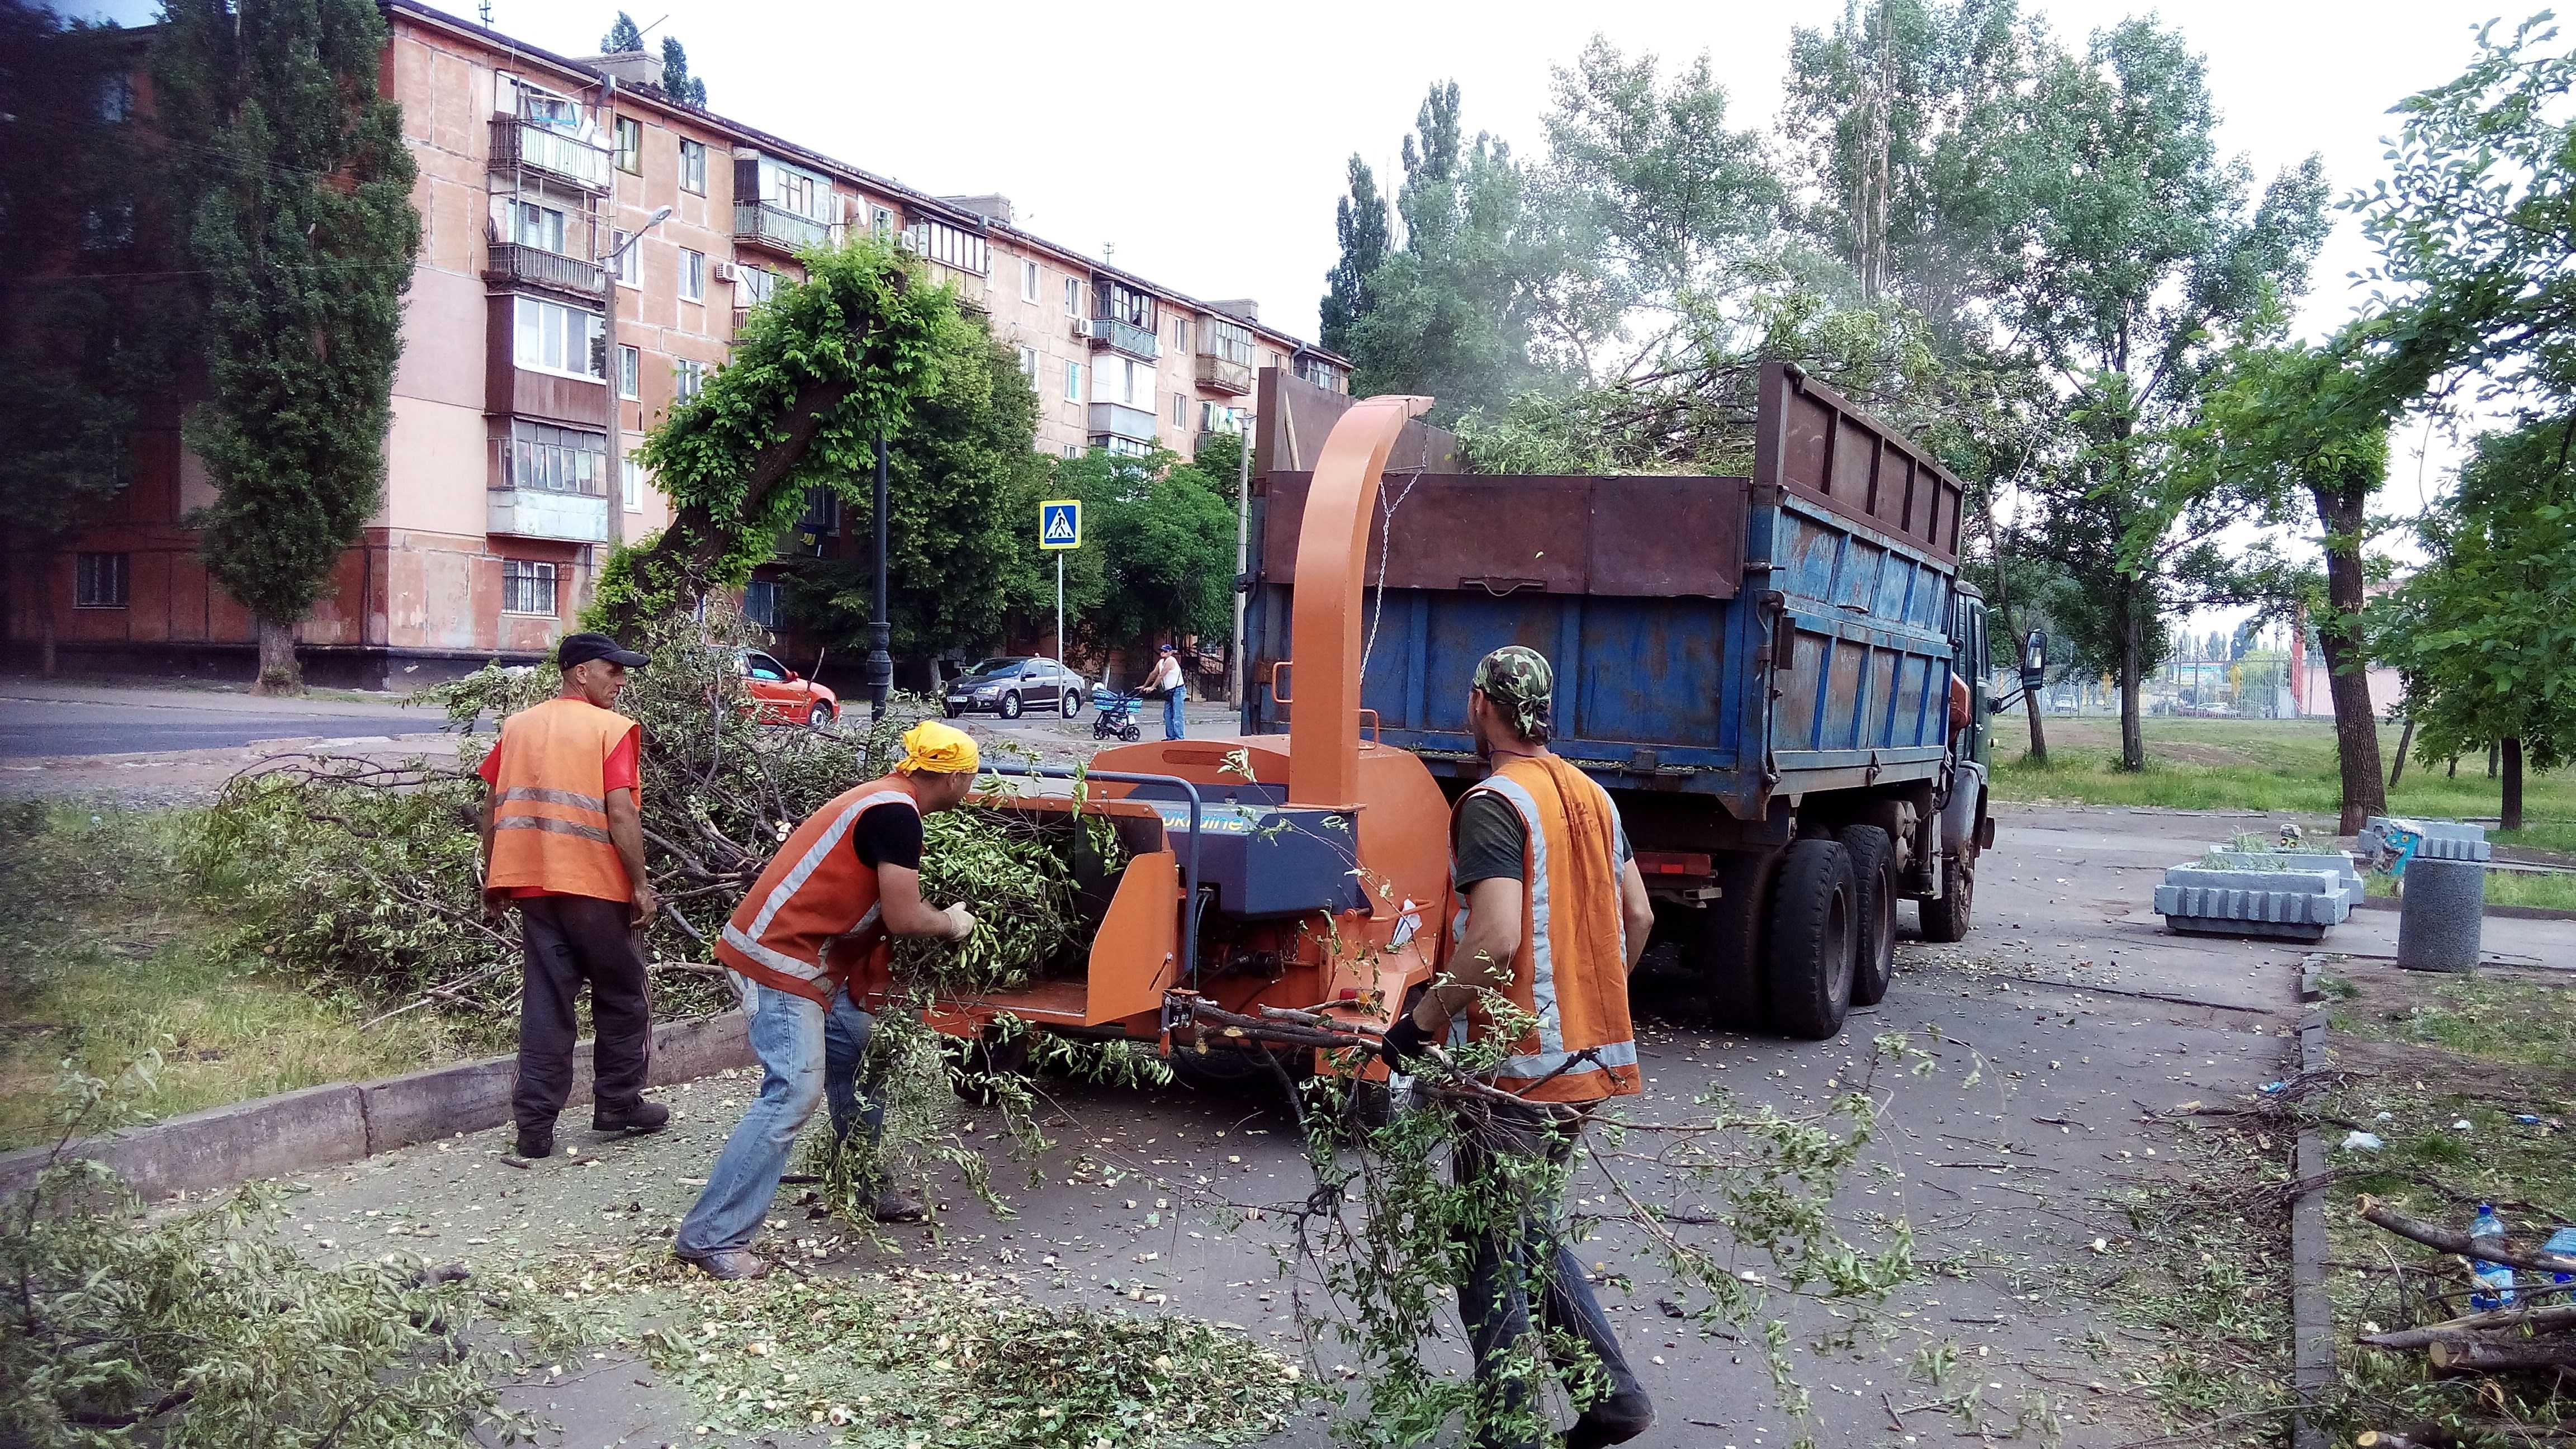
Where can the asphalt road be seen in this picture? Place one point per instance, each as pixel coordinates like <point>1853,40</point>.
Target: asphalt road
<point>40,721</point>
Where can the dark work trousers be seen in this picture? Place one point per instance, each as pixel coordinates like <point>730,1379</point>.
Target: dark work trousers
<point>1507,1152</point>
<point>570,940</point>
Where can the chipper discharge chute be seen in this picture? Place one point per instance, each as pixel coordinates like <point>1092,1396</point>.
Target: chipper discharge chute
<point>1306,871</point>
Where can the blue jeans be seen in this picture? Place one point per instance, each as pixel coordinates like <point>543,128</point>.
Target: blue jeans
<point>1172,729</point>
<point>807,1056</point>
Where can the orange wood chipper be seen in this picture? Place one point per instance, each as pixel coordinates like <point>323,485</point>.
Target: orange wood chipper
<point>1305,871</point>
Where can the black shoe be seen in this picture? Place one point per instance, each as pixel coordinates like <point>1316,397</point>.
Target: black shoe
<point>535,1142</point>
<point>1615,1420</point>
<point>641,1118</point>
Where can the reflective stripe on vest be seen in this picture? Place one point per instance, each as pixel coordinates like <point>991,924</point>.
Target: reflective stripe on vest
<point>1551,1026</point>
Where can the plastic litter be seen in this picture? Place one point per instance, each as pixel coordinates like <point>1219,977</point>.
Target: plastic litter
<point>2362,1142</point>
<point>2494,1280</point>
<point>2562,1242</point>
<point>2463,1125</point>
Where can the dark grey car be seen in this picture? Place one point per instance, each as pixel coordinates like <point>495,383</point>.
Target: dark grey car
<point>1014,684</point>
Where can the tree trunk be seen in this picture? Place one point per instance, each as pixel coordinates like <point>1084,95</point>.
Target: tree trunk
<point>2003,610</point>
<point>2347,659</point>
<point>2512,784</point>
<point>2133,740</point>
<point>2405,738</point>
<point>45,630</point>
<point>278,671</point>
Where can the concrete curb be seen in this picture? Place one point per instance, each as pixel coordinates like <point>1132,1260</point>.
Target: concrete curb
<point>2312,1350</point>
<point>2492,912</point>
<point>346,1121</point>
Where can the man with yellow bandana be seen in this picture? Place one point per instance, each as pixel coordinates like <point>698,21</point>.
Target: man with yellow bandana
<point>841,887</point>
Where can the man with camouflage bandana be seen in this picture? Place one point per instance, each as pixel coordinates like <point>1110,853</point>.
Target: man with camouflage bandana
<point>1553,916</point>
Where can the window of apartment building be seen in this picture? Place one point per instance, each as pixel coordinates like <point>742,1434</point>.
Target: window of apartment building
<point>1073,296</point>
<point>1123,380</point>
<point>630,145</point>
<point>1181,335</point>
<point>630,258</point>
<point>881,220</point>
<point>555,338</point>
<point>798,191</point>
<point>549,459</point>
<point>758,285</point>
<point>1180,410</point>
<point>1274,359</point>
<point>1072,450</point>
<point>950,246</point>
<point>99,581</point>
<point>537,226</point>
<point>1028,281</point>
<point>822,515</point>
<point>693,167</point>
<point>688,378</point>
<point>107,227</point>
<point>115,99</point>
<point>760,602</point>
<point>527,587</point>
<point>544,107</point>
<point>1029,365</point>
<point>1219,418</point>
<point>1125,304</point>
<point>630,372</point>
<point>1073,382</point>
<point>1226,342</point>
<point>632,483</point>
<point>693,275</point>
<point>1319,372</point>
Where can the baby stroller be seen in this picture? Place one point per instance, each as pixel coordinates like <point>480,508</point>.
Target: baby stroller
<point>1117,718</point>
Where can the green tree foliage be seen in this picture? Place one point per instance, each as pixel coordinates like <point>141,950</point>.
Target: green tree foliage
<point>677,83</point>
<point>1163,536</point>
<point>302,225</point>
<point>962,494</point>
<point>2473,226</point>
<point>79,352</point>
<point>622,37</point>
<point>1449,313</point>
<point>2143,257</point>
<point>857,347</point>
<point>2485,632</point>
<point>1360,222</point>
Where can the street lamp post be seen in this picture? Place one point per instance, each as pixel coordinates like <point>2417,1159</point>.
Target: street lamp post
<point>610,263</point>
<point>880,665</point>
<point>1242,553</point>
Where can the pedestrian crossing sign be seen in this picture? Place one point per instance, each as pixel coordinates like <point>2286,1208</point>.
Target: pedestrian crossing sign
<point>1060,523</point>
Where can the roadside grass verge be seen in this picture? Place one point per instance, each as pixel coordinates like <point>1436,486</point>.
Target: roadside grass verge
<point>105,958</point>
<point>2273,766</point>
<point>2551,890</point>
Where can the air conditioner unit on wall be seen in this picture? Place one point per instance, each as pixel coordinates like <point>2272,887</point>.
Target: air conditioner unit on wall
<point>1082,329</point>
<point>728,272</point>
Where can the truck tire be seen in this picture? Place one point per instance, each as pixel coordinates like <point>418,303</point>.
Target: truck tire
<point>1946,919</point>
<point>1807,954</point>
<point>1873,867</point>
<point>1723,955</point>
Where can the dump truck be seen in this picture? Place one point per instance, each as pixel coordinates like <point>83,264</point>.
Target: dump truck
<point>1759,670</point>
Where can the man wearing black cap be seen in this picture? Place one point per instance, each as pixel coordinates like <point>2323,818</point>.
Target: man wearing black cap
<point>563,840</point>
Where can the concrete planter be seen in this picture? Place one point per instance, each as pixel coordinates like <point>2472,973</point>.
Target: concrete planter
<point>2437,839</point>
<point>2279,905</point>
<point>2339,863</point>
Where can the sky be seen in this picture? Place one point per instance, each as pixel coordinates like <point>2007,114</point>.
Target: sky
<point>1203,147</point>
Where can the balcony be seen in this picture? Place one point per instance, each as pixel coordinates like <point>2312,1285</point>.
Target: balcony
<point>1117,420</point>
<point>539,513</point>
<point>1127,337</point>
<point>558,154</point>
<point>757,223</point>
<point>1219,375</point>
<point>537,267</point>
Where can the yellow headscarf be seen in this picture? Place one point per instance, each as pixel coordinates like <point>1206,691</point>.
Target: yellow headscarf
<point>938,748</point>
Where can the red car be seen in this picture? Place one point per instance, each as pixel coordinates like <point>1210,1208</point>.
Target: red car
<point>780,696</point>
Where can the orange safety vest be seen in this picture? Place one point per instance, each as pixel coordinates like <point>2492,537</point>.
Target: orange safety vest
<point>550,817</point>
<point>1571,971</point>
<point>815,892</point>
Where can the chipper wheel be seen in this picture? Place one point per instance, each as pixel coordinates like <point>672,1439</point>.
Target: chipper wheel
<point>1873,867</point>
<point>1808,949</point>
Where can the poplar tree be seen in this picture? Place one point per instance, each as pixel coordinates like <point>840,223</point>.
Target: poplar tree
<point>1360,221</point>
<point>302,232</point>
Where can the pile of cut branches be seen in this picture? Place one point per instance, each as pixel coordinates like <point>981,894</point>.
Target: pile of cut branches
<point>2536,1332</point>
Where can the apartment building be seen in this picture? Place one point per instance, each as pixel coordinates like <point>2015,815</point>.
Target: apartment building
<point>506,482</point>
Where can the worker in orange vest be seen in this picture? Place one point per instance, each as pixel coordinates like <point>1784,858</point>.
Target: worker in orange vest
<point>840,887</point>
<point>563,840</point>
<point>1554,915</point>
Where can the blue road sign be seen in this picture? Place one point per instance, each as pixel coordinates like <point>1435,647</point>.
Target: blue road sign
<point>1060,523</point>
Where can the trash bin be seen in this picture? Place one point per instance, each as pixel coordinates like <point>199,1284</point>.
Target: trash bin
<point>2442,914</point>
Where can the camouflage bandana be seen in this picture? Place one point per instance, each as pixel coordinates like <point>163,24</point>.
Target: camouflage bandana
<point>1517,681</point>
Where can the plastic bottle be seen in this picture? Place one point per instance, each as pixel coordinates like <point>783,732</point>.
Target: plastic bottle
<point>2494,1280</point>
<point>2563,1243</point>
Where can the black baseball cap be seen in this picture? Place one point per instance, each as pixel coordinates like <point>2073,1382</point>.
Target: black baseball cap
<point>583,648</point>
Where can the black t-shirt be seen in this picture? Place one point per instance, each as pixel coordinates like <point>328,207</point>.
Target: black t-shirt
<point>1492,841</point>
<point>888,835</point>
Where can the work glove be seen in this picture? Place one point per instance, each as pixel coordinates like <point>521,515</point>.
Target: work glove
<point>1403,1043</point>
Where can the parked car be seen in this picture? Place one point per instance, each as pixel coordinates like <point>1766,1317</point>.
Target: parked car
<point>778,694</point>
<point>1012,684</point>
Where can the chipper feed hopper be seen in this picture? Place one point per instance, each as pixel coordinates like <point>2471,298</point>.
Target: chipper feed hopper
<point>1304,871</point>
